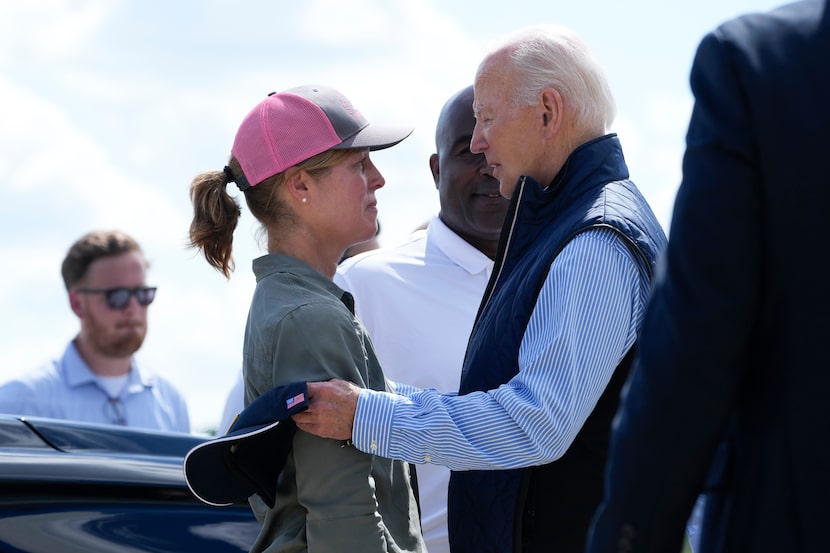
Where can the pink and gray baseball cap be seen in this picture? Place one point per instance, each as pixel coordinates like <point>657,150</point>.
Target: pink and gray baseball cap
<point>291,126</point>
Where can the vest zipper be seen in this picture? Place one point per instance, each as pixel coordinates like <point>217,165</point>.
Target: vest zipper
<point>521,188</point>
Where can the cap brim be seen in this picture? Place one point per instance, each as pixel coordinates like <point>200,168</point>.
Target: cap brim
<point>215,472</point>
<point>375,137</point>
<point>250,457</point>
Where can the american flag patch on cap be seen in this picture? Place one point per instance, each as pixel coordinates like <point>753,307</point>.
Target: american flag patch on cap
<point>292,401</point>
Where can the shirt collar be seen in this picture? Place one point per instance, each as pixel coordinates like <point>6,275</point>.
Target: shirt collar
<point>312,278</point>
<point>78,372</point>
<point>457,249</point>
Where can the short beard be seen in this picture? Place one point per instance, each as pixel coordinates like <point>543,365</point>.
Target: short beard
<point>104,341</point>
<point>123,347</point>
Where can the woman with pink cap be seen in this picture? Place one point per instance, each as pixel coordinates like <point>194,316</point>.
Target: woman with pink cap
<point>301,160</point>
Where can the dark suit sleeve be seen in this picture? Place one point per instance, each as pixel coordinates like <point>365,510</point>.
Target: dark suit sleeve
<point>692,353</point>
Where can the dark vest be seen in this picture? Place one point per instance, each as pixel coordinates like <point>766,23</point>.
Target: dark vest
<point>545,508</point>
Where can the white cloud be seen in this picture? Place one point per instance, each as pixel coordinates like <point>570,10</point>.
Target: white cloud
<point>48,30</point>
<point>346,23</point>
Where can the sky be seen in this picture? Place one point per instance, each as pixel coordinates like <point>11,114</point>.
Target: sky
<point>109,108</point>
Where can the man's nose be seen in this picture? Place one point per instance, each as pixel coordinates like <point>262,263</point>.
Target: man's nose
<point>477,142</point>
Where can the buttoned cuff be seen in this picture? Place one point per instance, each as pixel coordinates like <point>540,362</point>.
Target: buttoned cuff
<point>373,421</point>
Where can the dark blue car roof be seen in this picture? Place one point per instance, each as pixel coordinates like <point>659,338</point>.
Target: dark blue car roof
<point>55,450</point>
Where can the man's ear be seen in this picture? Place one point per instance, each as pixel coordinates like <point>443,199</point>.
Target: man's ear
<point>434,167</point>
<point>552,111</point>
<point>76,304</point>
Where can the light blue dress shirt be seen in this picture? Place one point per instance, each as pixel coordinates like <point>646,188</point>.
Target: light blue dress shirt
<point>66,388</point>
<point>585,320</point>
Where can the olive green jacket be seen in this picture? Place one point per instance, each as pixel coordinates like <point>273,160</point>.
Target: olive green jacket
<point>330,496</point>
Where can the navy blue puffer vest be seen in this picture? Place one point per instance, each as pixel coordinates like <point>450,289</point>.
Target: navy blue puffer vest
<point>546,508</point>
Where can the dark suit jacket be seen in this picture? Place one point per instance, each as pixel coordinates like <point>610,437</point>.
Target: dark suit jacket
<point>736,340</point>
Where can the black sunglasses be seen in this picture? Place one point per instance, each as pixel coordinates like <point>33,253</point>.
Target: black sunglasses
<point>119,298</point>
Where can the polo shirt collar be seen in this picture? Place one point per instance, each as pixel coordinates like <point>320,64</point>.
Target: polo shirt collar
<point>457,249</point>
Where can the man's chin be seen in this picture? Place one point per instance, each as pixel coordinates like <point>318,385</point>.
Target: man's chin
<point>125,346</point>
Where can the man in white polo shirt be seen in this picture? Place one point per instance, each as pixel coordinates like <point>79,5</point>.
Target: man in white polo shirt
<point>418,300</point>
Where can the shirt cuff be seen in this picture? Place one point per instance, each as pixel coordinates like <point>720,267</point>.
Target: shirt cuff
<point>373,421</point>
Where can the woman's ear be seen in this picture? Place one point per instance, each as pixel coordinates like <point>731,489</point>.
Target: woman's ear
<point>296,183</point>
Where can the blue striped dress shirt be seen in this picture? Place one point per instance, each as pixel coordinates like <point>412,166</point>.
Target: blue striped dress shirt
<point>585,320</point>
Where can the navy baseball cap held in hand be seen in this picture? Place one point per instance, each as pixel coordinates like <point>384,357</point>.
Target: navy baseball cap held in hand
<point>249,458</point>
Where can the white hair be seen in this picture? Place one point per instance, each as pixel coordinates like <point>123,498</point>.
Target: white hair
<point>552,56</point>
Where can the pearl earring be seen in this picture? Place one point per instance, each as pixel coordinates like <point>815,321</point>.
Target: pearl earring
<point>305,200</point>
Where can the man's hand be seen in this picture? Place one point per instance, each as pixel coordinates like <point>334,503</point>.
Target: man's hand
<point>331,409</point>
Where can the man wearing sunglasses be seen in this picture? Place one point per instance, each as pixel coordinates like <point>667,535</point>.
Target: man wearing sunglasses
<point>98,379</point>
